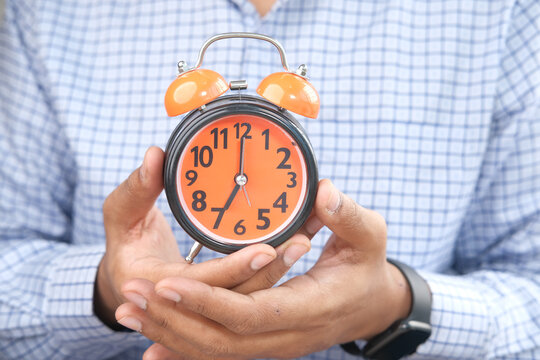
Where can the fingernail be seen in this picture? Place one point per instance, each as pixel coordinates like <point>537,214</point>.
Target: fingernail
<point>143,170</point>
<point>334,201</point>
<point>131,323</point>
<point>293,253</point>
<point>260,261</point>
<point>313,225</point>
<point>136,299</point>
<point>169,294</point>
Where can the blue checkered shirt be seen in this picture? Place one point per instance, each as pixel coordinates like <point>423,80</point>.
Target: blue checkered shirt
<point>430,115</point>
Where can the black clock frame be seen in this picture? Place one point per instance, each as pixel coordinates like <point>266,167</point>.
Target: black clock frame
<point>214,110</point>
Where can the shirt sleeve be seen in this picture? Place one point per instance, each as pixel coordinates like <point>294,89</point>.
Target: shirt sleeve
<point>47,283</point>
<point>489,306</point>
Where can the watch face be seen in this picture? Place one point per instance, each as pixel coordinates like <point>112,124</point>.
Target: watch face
<point>241,177</point>
<point>402,338</point>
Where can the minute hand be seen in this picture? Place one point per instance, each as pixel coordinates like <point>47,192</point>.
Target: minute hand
<point>241,179</point>
<point>242,141</point>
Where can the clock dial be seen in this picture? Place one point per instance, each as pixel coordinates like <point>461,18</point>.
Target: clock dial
<point>240,171</point>
<point>241,179</point>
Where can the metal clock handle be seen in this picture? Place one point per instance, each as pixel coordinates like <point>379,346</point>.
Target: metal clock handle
<point>234,35</point>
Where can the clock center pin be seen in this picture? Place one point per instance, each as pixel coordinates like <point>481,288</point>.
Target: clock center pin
<point>241,179</point>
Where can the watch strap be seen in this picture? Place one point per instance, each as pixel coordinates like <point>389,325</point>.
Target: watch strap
<point>351,348</point>
<point>420,313</point>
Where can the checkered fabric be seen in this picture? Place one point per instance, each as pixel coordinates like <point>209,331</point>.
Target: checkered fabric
<point>430,115</point>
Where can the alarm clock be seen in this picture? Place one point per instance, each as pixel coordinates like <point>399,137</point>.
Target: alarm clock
<point>240,169</point>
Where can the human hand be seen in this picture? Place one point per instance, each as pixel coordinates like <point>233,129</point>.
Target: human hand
<point>351,293</point>
<point>140,244</point>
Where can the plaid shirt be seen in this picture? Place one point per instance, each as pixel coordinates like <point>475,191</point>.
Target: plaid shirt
<point>430,115</point>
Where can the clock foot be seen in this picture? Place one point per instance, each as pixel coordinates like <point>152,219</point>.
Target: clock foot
<point>195,248</point>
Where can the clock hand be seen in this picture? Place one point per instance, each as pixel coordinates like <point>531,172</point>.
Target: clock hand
<point>247,197</point>
<point>231,197</point>
<point>242,179</point>
<point>242,142</point>
<point>222,210</point>
<point>196,247</point>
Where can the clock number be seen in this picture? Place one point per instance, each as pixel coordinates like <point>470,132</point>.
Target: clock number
<point>246,132</point>
<point>286,155</point>
<point>239,229</point>
<point>264,219</point>
<point>223,132</point>
<point>281,202</point>
<point>191,175</point>
<point>199,157</point>
<point>220,212</point>
<point>292,179</point>
<point>198,203</point>
<point>266,134</point>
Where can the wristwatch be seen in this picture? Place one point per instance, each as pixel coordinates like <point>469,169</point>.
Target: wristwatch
<point>404,336</point>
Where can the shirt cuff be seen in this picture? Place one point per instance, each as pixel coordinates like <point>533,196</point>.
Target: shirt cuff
<point>69,307</point>
<point>460,318</point>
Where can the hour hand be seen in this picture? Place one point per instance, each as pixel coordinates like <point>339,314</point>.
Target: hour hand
<point>222,210</point>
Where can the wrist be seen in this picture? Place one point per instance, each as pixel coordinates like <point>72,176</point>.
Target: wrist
<point>412,327</point>
<point>105,302</point>
<point>393,302</point>
<point>401,294</point>
<point>389,301</point>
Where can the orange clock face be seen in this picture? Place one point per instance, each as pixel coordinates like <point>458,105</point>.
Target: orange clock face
<point>241,179</point>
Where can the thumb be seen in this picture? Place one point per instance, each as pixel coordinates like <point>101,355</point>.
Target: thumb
<point>134,198</point>
<point>362,228</point>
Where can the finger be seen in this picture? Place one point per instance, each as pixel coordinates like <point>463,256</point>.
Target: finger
<point>134,318</point>
<point>241,270</point>
<point>281,347</point>
<point>160,352</point>
<point>288,254</point>
<point>194,337</point>
<point>164,322</point>
<point>233,269</point>
<point>263,311</point>
<point>134,198</point>
<point>177,328</point>
<point>226,272</point>
<point>360,227</point>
